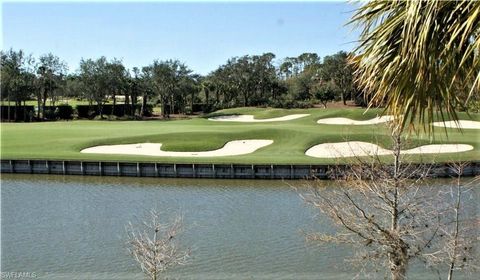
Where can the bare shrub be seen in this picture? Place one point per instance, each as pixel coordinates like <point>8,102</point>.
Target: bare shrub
<point>154,246</point>
<point>391,216</point>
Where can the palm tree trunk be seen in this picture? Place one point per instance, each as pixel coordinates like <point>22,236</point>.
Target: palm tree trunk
<point>207,99</point>
<point>144,105</point>
<point>39,105</point>
<point>192,96</point>
<point>8,107</point>
<point>44,103</point>
<point>24,111</point>
<point>100,109</point>
<point>164,107</point>
<point>114,97</point>
<point>245,99</point>
<point>133,108</point>
<point>126,105</point>
<point>15,116</point>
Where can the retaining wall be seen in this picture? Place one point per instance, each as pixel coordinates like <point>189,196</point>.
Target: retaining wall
<point>172,170</point>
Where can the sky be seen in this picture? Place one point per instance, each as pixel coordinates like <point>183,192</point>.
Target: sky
<point>203,35</point>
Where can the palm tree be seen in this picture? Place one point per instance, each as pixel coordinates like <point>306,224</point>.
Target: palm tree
<point>419,58</point>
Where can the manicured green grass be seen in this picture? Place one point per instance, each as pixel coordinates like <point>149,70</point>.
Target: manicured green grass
<point>64,140</point>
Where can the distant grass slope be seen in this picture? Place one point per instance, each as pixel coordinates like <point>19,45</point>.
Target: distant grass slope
<point>64,140</point>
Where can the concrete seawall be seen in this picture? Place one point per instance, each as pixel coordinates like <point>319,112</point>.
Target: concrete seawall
<point>172,170</point>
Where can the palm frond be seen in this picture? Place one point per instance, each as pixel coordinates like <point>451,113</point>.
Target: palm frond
<point>419,58</point>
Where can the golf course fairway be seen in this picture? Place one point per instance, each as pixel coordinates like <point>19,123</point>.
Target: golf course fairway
<point>291,138</point>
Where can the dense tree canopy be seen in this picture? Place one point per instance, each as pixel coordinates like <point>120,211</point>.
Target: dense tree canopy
<point>336,69</point>
<point>50,72</point>
<point>92,73</point>
<point>172,82</point>
<point>249,80</point>
<point>256,81</point>
<point>17,77</point>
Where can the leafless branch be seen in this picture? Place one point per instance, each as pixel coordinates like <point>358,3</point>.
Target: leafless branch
<point>391,216</point>
<point>154,246</point>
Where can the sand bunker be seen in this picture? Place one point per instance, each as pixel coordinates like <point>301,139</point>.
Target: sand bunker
<point>356,148</point>
<point>347,121</point>
<point>250,118</point>
<point>232,148</point>
<point>461,124</point>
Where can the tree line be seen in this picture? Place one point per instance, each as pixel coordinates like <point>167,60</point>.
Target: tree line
<point>250,80</point>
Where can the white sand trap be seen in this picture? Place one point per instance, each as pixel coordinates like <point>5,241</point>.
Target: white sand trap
<point>357,148</point>
<point>250,118</point>
<point>347,121</point>
<point>232,148</point>
<point>464,124</point>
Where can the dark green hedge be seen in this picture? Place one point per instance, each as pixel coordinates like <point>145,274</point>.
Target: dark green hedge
<point>62,112</point>
<point>120,110</point>
<point>23,113</point>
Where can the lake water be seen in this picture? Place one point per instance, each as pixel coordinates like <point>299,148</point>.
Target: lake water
<point>73,228</point>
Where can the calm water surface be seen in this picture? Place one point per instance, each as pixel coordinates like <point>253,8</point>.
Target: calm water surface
<point>73,228</point>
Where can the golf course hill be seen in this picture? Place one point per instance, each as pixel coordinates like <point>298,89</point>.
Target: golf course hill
<point>239,136</point>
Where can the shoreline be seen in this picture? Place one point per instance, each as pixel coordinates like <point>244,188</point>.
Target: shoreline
<point>196,170</point>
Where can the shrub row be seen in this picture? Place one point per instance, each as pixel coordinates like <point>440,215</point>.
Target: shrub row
<point>60,112</point>
<point>66,112</point>
<point>22,113</point>
<point>120,110</point>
